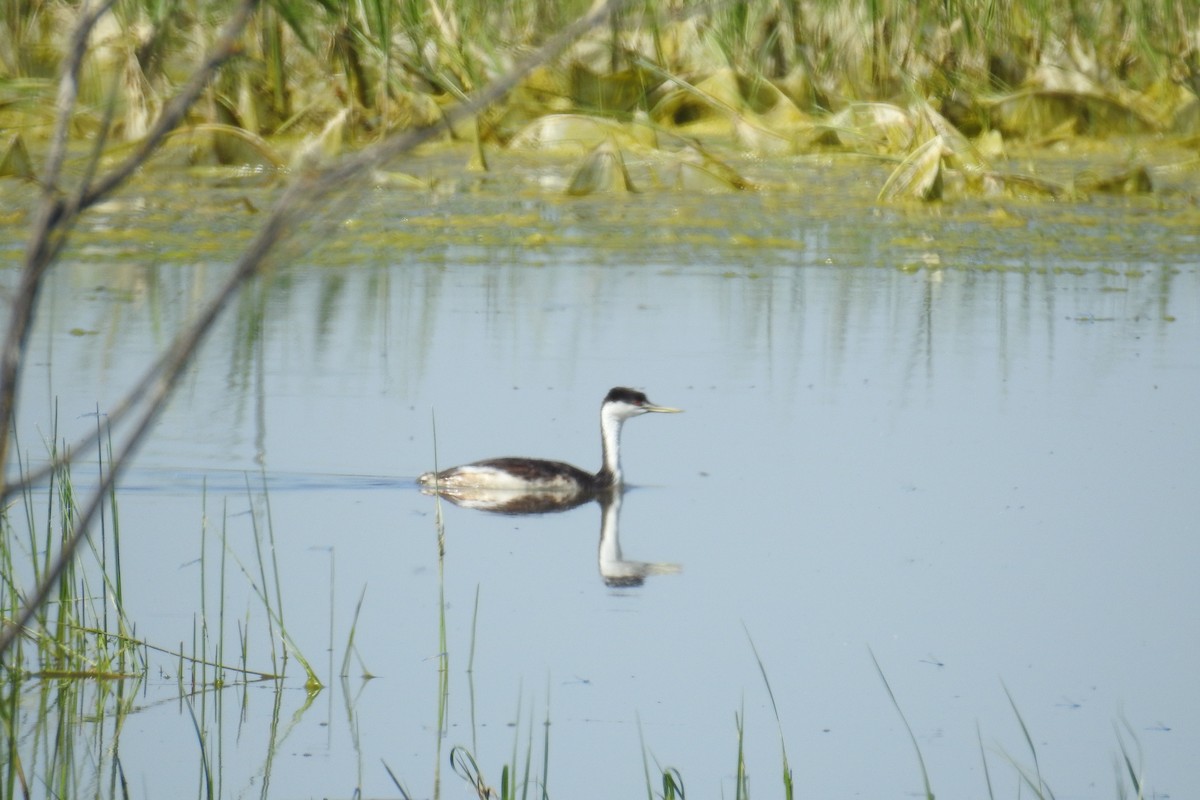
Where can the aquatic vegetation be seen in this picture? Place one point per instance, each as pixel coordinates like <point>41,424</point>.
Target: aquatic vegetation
<point>14,159</point>
<point>602,170</point>
<point>919,175</point>
<point>788,785</point>
<point>771,79</point>
<point>579,132</point>
<point>912,736</point>
<point>696,169</point>
<point>76,669</point>
<point>76,634</point>
<point>66,196</point>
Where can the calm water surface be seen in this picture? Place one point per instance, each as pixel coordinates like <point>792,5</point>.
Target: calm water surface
<point>962,439</point>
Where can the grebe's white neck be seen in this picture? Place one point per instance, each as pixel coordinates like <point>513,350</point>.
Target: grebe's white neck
<point>618,406</point>
<point>612,416</point>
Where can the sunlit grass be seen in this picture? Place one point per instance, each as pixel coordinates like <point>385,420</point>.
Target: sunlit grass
<point>1034,781</point>
<point>79,659</point>
<point>396,65</point>
<point>788,786</point>
<point>516,777</point>
<point>912,736</point>
<point>83,631</point>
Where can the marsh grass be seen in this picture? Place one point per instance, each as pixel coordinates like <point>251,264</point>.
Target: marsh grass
<point>912,736</point>
<point>75,672</point>
<point>84,631</point>
<point>741,785</point>
<point>443,653</point>
<point>788,786</point>
<point>1024,65</point>
<point>351,650</point>
<point>270,592</point>
<point>672,784</point>
<point>1125,767</point>
<point>1034,781</point>
<point>1128,776</point>
<point>670,778</point>
<point>76,659</point>
<point>516,779</point>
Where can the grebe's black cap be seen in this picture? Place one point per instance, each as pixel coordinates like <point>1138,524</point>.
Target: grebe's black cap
<point>632,397</point>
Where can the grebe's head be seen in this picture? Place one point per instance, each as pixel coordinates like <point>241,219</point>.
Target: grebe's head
<point>622,403</point>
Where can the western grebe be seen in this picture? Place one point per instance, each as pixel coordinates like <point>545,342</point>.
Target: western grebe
<point>532,474</point>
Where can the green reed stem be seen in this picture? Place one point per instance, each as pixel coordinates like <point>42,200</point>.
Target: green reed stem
<point>546,746</point>
<point>788,789</point>
<point>206,773</point>
<point>741,788</point>
<point>221,574</point>
<point>907,727</point>
<point>350,646</point>
<point>471,671</point>
<point>987,775</point>
<point>1039,787</point>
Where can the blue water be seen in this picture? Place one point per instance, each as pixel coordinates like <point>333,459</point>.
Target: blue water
<point>960,441</point>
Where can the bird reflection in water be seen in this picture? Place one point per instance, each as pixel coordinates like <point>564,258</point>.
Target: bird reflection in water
<point>615,570</point>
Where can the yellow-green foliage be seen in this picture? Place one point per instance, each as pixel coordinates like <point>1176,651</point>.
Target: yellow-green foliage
<point>1028,67</point>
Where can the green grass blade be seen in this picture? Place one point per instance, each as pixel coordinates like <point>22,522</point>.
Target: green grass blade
<point>904,719</point>
<point>546,745</point>
<point>741,789</point>
<point>206,768</point>
<point>672,782</point>
<point>987,775</point>
<point>788,787</point>
<point>645,761</point>
<point>350,648</point>
<point>1040,788</point>
<point>1134,773</point>
<point>404,795</point>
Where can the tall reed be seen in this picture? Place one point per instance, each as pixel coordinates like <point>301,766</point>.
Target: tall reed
<point>395,64</point>
<point>912,736</point>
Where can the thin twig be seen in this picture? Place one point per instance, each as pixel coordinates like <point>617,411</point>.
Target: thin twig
<point>42,247</point>
<point>57,214</point>
<point>158,382</point>
<point>309,189</point>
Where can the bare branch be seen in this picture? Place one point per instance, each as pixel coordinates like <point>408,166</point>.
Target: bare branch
<point>57,215</point>
<point>159,381</point>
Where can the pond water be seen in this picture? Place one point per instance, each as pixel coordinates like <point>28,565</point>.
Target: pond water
<point>960,440</point>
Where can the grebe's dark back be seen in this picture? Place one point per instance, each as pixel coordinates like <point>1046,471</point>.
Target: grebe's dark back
<point>532,474</point>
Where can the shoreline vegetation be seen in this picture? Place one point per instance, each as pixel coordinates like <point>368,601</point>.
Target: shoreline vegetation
<point>941,88</point>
